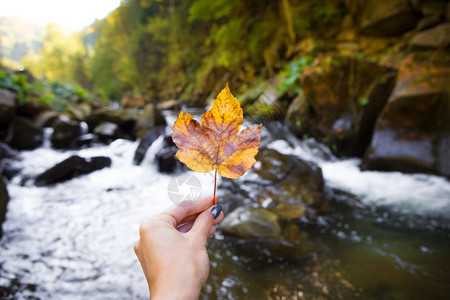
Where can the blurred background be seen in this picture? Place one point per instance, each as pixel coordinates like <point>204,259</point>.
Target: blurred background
<point>350,195</point>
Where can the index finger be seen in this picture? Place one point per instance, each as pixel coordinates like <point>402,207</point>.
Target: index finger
<point>181,212</point>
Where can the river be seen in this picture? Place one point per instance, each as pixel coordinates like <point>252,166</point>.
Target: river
<point>387,235</point>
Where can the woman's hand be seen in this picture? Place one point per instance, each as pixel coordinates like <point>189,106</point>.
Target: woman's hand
<point>172,249</point>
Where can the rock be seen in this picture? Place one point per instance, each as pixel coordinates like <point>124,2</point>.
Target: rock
<point>169,104</point>
<point>436,37</point>
<point>342,98</point>
<point>443,157</point>
<point>249,222</point>
<point>429,21</point>
<point>31,108</point>
<point>7,107</point>
<point>299,184</point>
<point>387,17</point>
<point>148,119</point>
<point>433,7</point>
<point>132,100</point>
<point>289,212</point>
<point>6,151</point>
<point>298,117</point>
<point>251,94</point>
<point>25,135</point>
<point>45,119</point>
<point>85,139</point>
<point>257,232</point>
<point>107,132</point>
<point>72,167</point>
<point>447,12</point>
<point>146,141</point>
<point>79,111</point>
<point>124,118</point>
<point>412,131</point>
<point>65,134</point>
<point>165,158</point>
<point>281,183</point>
<point>4,198</point>
<point>270,104</point>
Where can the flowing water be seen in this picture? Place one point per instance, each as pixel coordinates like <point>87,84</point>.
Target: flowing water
<point>386,237</point>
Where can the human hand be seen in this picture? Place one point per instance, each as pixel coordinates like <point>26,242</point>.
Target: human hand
<point>172,249</point>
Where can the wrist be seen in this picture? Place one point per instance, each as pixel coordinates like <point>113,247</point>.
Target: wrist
<point>187,293</point>
<point>177,288</point>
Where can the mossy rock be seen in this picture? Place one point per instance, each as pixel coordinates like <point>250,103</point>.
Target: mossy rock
<point>65,134</point>
<point>342,98</point>
<point>124,118</point>
<point>7,107</point>
<point>249,222</point>
<point>288,186</point>
<point>148,119</point>
<point>25,135</point>
<point>412,133</point>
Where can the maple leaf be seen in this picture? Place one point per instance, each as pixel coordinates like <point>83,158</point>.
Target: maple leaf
<point>216,143</point>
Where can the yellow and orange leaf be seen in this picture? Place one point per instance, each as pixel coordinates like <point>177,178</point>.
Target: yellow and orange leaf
<point>217,143</point>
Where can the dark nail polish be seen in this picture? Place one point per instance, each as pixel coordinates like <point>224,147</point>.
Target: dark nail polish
<point>215,211</point>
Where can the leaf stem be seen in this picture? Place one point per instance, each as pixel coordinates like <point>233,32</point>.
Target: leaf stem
<point>215,179</point>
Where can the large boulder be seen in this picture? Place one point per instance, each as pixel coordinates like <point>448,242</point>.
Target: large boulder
<point>430,21</point>
<point>107,132</point>
<point>148,119</point>
<point>258,230</point>
<point>146,141</point>
<point>165,158</point>
<point>65,134</point>
<point>25,135</point>
<point>387,17</point>
<point>168,105</point>
<point>436,37</point>
<point>4,198</point>
<point>31,108</point>
<point>248,222</point>
<point>124,118</point>
<point>7,107</point>
<point>45,119</point>
<point>299,185</point>
<point>291,188</point>
<point>132,100</point>
<point>341,100</point>
<point>412,133</point>
<point>72,167</point>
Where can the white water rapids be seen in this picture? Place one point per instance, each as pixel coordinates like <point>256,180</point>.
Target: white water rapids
<point>74,240</point>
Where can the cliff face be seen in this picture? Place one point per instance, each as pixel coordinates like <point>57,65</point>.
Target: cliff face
<point>379,91</point>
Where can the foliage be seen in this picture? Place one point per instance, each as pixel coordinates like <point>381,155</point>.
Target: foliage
<point>55,94</point>
<point>63,58</point>
<point>289,77</point>
<point>184,48</point>
<point>15,82</point>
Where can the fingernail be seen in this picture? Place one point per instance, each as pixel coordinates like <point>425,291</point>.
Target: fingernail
<point>215,211</point>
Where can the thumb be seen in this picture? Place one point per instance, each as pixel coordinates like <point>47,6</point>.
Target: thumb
<point>204,222</point>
